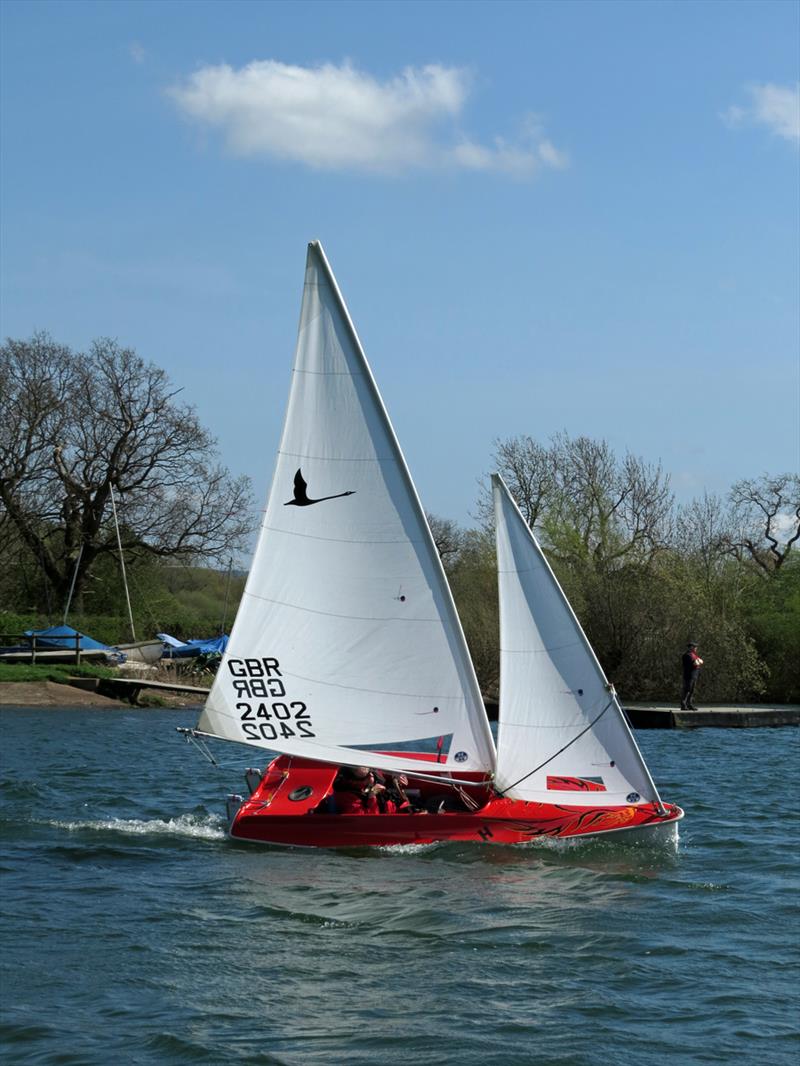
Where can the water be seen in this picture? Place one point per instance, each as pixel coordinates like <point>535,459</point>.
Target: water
<point>136,932</point>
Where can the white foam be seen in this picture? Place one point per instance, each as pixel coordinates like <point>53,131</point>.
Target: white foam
<point>185,825</point>
<point>410,849</point>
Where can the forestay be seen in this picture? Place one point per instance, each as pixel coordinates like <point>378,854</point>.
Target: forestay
<point>347,637</point>
<point>558,715</point>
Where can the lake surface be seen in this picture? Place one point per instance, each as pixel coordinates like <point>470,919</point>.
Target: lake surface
<point>136,932</point>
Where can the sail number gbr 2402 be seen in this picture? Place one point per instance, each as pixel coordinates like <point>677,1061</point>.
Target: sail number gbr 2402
<point>265,712</point>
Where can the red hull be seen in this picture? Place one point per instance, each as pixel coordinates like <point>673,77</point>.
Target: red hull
<point>282,810</point>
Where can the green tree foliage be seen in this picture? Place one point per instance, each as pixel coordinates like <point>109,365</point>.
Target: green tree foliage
<point>187,602</point>
<point>644,576</point>
<point>473,579</point>
<point>772,614</point>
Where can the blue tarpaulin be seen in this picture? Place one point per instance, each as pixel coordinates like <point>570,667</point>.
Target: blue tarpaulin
<point>64,637</point>
<point>188,649</point>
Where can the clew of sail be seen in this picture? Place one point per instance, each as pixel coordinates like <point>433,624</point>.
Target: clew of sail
<point>558,715</point>
<point>347,640</point>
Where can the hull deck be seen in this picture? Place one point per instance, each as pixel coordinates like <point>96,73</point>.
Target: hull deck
<point>288,806</point>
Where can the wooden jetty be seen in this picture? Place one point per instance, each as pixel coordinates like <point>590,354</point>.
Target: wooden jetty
<point>128,688</point>
<point>722,716</point>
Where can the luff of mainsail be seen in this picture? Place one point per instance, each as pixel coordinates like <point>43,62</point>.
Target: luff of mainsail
<point>347,637</point>
<point>558,715</point>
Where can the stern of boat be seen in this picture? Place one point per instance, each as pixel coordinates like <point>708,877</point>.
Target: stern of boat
<point>233,803</point>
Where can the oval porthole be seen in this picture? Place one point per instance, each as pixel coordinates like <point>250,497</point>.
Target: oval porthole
<point>301,793</point>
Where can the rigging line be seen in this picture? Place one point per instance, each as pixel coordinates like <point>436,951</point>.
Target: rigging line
<point>143,603</point>
<point>192,737</point>
<point>502,792</point>
<point>224,766</point>
<point>442,780</point>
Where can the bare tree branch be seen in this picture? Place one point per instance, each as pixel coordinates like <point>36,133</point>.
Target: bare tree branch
<point>765,520</point>
<point>73,426</point>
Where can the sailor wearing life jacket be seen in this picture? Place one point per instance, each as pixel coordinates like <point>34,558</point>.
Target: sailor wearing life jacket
<point>355,791</point>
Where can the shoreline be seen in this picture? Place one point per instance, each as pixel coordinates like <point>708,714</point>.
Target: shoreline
<point>54,694</point>
<point>39,694</point>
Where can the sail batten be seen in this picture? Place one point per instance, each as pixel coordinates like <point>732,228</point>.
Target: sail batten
<point>553,690</point>
<point>319,662</point>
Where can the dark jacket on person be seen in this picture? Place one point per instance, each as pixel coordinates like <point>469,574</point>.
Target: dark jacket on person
<point>691,663</point>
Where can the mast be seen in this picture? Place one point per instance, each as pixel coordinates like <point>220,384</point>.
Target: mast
<point>72,583</point>
<point>122,561</point>
<point>227,591</point>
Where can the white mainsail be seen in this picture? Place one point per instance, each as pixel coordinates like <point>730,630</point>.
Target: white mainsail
<point>347,638</point>
<point>558,716</point>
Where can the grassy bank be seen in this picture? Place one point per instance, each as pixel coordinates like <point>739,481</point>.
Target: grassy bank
<point>60,672</point>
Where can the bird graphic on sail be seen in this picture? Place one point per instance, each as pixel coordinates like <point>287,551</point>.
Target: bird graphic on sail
<point>301,497</point>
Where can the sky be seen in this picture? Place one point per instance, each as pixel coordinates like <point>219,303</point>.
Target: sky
<point>543,216</point>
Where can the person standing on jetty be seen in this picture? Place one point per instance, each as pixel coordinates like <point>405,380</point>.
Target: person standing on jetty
<point>691,671</point>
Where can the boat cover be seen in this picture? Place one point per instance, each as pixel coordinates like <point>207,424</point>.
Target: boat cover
<point>190,648</point>
<point>64,637</point>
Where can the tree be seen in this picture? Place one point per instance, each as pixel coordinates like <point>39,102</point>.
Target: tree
<point>529,470</point>
<point>582,496</point>
<point>765,514</point>
<point>617,509</point>
<point>448,538</point>
<point>773,619</point>
<point>472,574</point>
<point>73,428</point>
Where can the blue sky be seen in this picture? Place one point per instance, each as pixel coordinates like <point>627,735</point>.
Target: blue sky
<point>543,216</point>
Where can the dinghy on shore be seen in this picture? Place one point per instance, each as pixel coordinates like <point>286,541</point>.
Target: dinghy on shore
<point>347,650</point>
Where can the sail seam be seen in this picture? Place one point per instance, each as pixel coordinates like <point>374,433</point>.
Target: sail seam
<point>332,614</point>
<point>380,692</point>
<point>338,540</point>
<point>327,373</point>
<point>337,458</point>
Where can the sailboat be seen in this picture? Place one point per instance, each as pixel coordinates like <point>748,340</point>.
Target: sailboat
<point>347,656</point>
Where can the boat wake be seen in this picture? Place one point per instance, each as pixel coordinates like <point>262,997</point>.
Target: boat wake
<point>411,849</point>
<point>187,826</point>
<point>610,842</point>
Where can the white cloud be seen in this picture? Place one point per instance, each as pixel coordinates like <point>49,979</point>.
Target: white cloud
<point>784,526</point>
<point>775,106</point>
<point>549,154</point>
<point>339,118</point>
<point>137,52</point>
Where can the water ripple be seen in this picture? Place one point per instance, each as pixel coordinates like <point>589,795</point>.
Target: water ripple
<point>135,931</point>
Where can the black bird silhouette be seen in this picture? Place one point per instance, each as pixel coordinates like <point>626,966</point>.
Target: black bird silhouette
<point>301,496</point>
